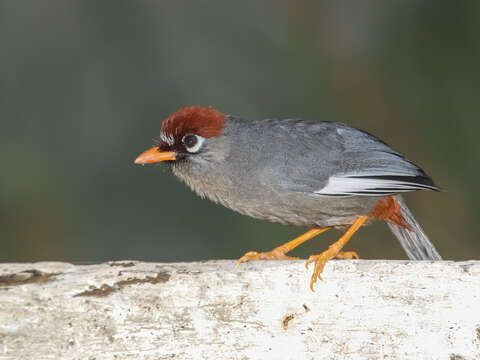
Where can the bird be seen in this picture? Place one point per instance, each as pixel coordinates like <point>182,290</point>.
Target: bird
<point>297,172</point>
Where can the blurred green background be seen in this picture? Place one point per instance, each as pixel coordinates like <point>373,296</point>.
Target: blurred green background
<point>84,86</point>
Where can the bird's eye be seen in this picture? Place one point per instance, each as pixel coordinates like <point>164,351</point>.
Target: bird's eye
<point>192,142</point>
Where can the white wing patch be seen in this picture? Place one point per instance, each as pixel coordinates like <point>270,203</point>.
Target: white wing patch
<point>371,185</point>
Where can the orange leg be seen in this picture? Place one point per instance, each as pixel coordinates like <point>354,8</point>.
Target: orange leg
<point>279,252</point>
<point>334,251</point>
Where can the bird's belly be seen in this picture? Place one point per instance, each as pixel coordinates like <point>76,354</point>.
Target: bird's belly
<point>279,205</point>
<point>304,210</point>
<point>294,209</point>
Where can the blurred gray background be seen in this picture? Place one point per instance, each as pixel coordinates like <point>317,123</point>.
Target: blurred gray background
<point>84,86</point>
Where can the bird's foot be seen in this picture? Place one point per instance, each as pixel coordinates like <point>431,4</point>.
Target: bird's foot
<point>320,261</point>
<point>279,252</point>
<point>347,255</point>
<point>334,250</point>
<point>276,254</point>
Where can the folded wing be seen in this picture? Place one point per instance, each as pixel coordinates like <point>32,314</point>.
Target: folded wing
<point>374,184</point>
<point>372,168</point>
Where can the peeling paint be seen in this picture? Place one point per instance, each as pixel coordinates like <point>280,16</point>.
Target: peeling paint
<point>103,290</point>
<point>124,264</point>
<point>26,277</point>
<point>106,290</point>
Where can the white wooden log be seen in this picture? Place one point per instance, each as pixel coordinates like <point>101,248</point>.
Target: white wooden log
<point>260,310</point>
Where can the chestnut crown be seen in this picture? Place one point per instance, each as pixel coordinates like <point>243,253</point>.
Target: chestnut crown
<point>187,129</point>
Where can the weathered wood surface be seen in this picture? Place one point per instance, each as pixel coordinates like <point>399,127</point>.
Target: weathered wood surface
<point>260,310</point>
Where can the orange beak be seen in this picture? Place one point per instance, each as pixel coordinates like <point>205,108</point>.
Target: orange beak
<point>153,155</point>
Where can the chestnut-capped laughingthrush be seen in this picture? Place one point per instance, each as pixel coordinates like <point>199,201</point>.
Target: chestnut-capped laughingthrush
<point>295,172</point>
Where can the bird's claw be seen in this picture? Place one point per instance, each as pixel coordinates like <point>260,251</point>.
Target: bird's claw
<point>320,261</point>
<point>251,255</point>
<point>275,254</point>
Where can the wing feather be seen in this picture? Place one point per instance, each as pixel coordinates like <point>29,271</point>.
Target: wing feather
<point>374,184</point>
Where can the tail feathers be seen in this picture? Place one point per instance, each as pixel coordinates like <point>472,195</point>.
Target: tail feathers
<point>415,243</point>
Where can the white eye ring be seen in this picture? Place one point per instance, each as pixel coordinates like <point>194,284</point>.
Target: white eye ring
<point>196,146</point>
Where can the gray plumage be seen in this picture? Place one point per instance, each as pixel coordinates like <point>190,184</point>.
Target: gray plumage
<point>305,174</point>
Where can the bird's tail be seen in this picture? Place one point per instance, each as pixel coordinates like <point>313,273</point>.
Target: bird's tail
<point>414,241</point>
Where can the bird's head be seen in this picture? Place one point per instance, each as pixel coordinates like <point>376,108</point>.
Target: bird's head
<point>185,134</point>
